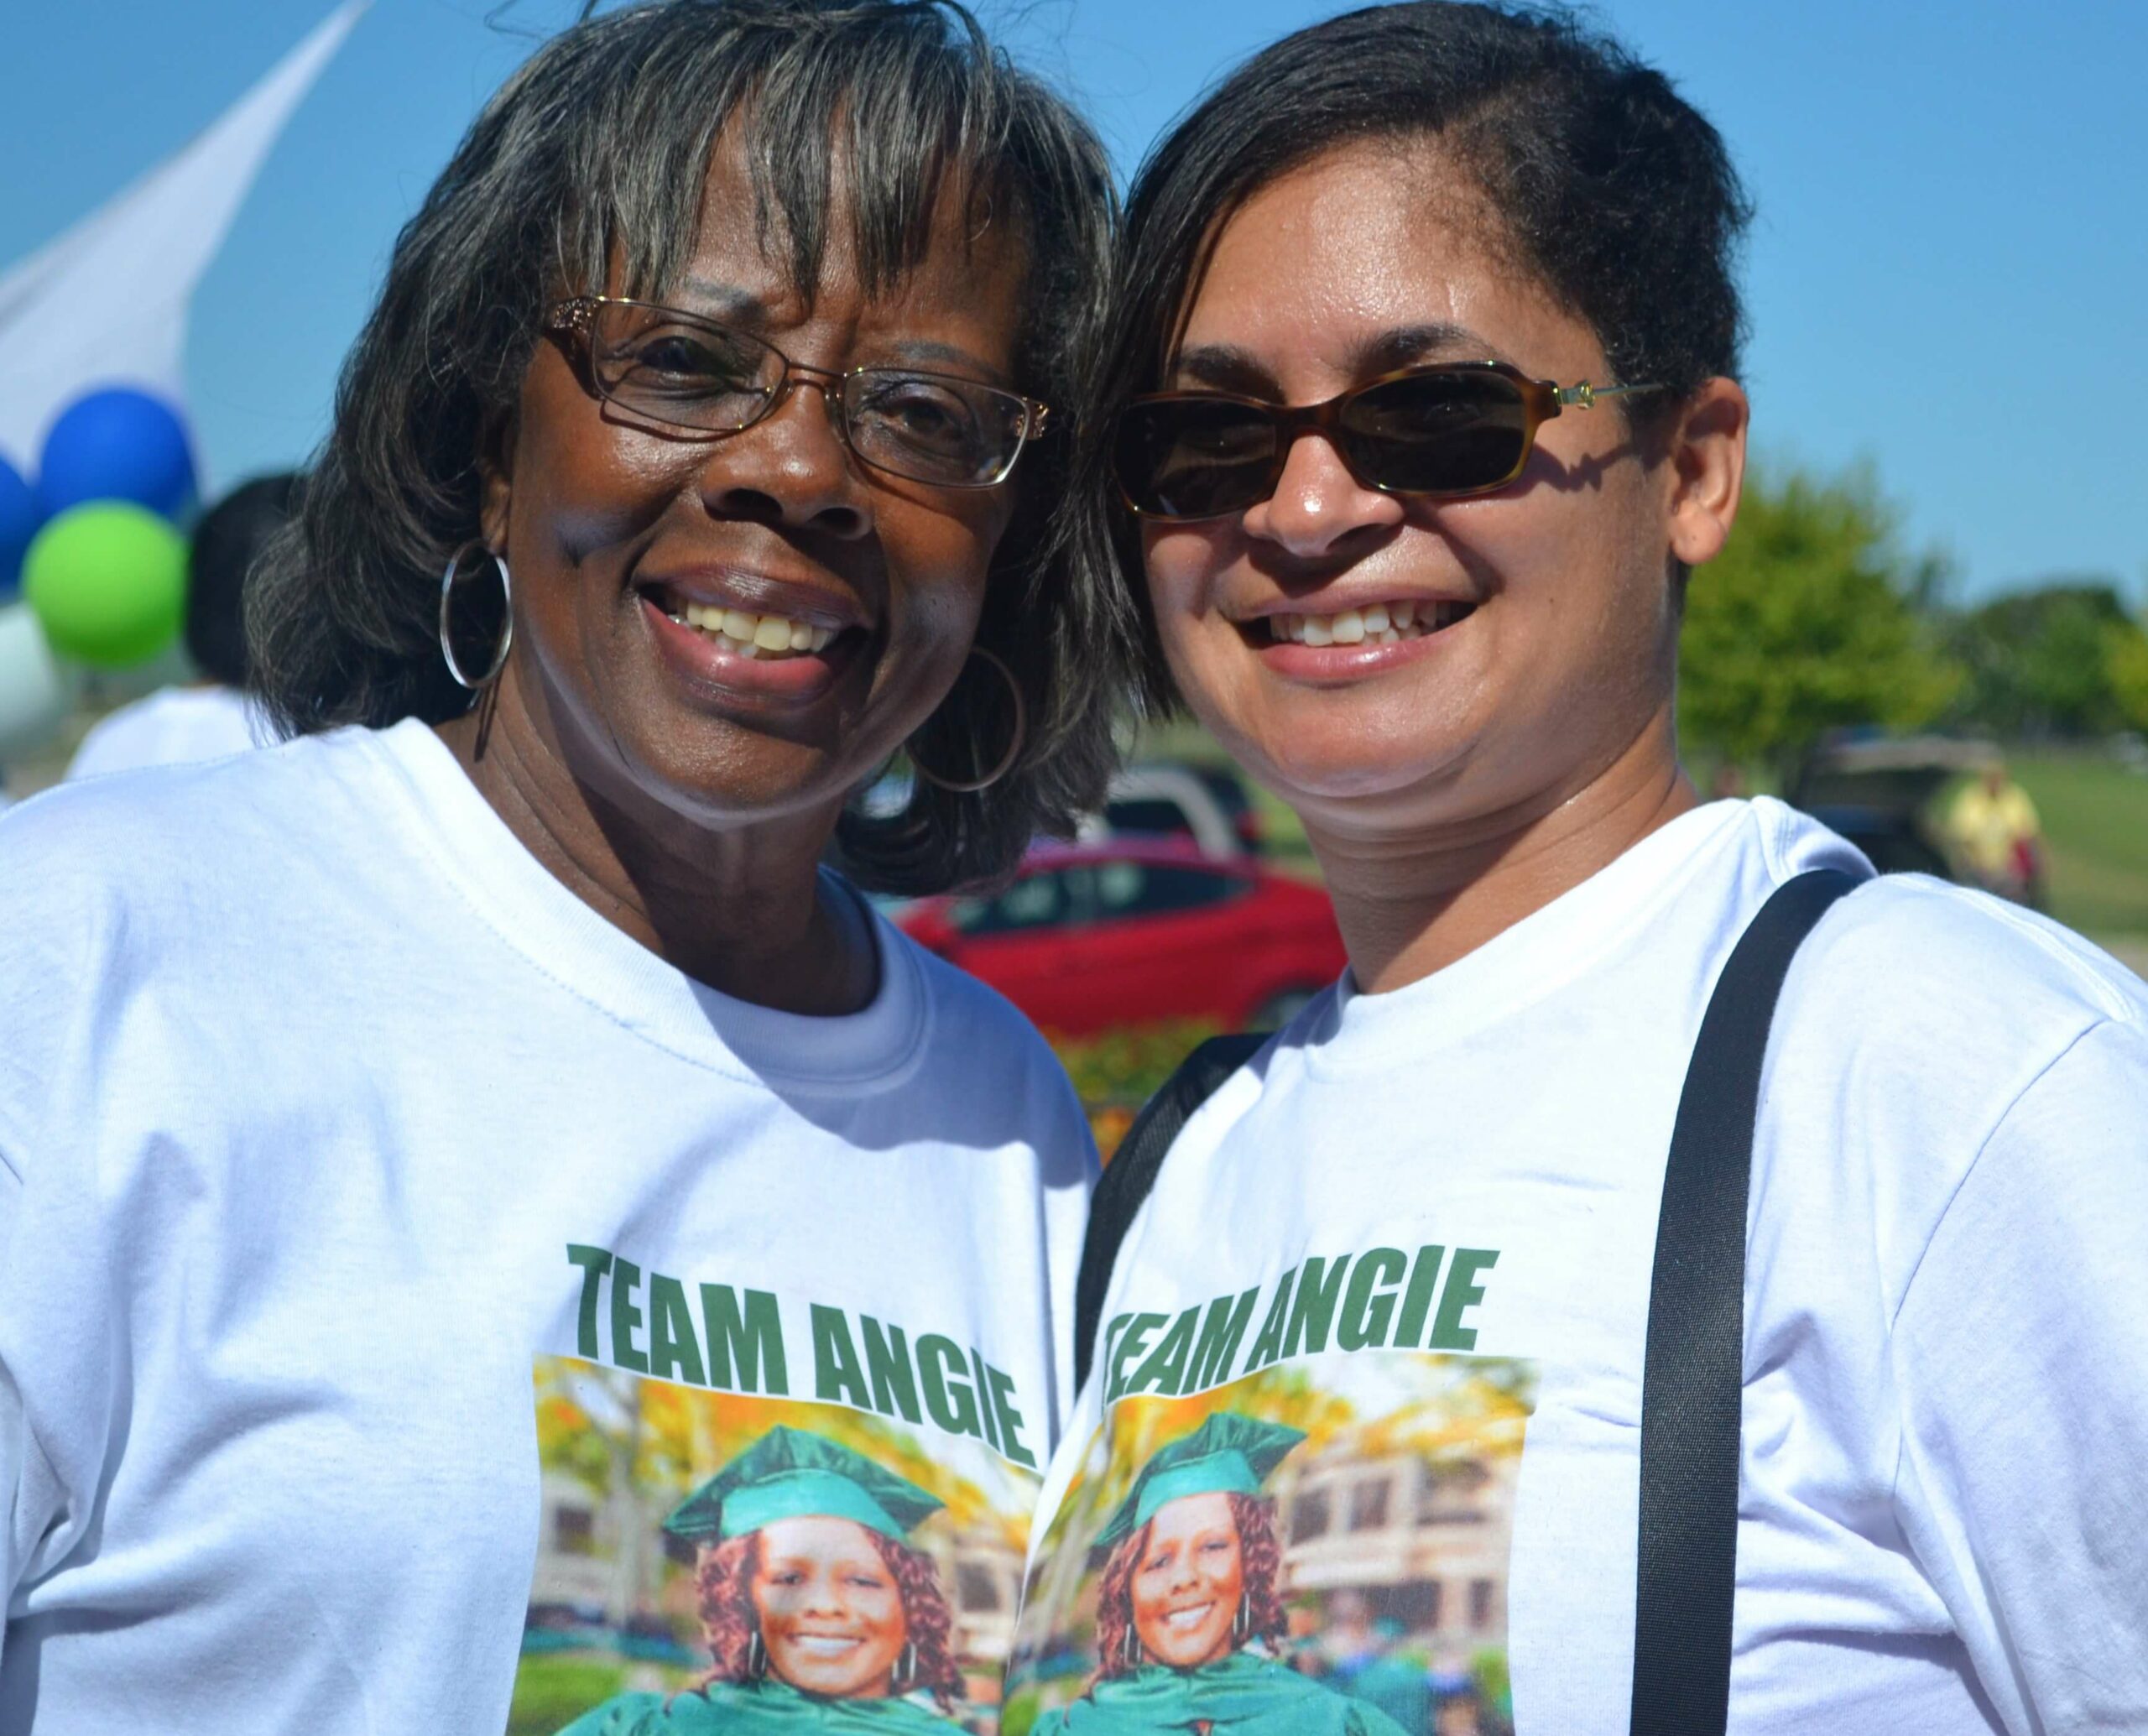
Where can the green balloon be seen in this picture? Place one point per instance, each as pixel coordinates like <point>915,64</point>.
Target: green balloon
<point>107,582</point>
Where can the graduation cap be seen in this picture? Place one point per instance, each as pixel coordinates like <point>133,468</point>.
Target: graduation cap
<point>1228,1454</point>
<point>794,1473</point>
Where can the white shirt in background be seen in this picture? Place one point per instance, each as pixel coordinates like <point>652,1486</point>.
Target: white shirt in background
<point>333,1128</point>
<point>1945,1469</point>
<point>173,726</point>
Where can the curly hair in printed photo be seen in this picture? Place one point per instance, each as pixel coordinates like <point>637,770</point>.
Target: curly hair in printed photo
<point>886,1599</point>
<point>1201,1579</point>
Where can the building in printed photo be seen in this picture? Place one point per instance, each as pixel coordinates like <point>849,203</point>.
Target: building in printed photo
<point>1424,1541</point>
<point>588,1566</point>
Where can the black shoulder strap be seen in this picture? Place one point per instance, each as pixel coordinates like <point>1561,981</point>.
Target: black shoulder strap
<point>1131,1174</point>
<point>1693,1380</point>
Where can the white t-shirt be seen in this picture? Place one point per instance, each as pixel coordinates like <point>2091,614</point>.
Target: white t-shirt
<point>388,1245</point>
<point>1945,1430</point>
<point>173,726</point>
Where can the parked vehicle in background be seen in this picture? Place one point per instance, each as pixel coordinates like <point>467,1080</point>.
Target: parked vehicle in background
<point>1883,794</point>
<point>1893,843</point>
<point>1207,804</point>
<point>1130,931</point>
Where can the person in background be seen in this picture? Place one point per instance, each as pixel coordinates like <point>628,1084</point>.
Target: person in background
<point>691,464</point>
<point>212,716</point>
<point>1394,1678</point>
<point>1368,1660</point>
<point>1460,1714</point>
<point>1994,824</point>
<point>1347,1641</point>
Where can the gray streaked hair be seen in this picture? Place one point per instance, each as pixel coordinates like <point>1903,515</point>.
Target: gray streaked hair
<point>597,151</point>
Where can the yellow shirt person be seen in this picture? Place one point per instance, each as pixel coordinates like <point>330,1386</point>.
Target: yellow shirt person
<point>1992,821</point>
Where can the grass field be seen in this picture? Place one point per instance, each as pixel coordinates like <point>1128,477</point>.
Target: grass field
<point>2095,817</point>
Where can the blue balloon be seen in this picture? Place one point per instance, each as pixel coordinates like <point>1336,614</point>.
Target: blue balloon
<point>19,519</point>
<point>117,444</point>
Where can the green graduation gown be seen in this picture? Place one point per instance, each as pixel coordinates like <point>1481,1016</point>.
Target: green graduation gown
<point>1242,1695</point>
<point>767,1708</point>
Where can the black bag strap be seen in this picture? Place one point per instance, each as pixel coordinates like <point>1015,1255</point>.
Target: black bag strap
<point>1692,1382</point>
<point>1131,1174</point>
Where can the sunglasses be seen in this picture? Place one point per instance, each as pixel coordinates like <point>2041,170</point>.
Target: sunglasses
<point>1440,433</point>
<point>679,370</point>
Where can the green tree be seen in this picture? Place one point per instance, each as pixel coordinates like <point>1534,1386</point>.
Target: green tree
<point>2125,656</point>
<point>1811,618</point>
<point>2047,660</point>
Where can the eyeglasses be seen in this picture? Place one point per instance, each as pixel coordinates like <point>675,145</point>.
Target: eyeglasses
<point>1444,433</point>
<point>680,371</point>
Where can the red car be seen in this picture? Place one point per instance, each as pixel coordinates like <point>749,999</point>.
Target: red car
<point>1134,930</point>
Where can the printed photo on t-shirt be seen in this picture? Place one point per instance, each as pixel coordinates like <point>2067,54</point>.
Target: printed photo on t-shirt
<point>735,1563</point>
<point>1321,1546</point>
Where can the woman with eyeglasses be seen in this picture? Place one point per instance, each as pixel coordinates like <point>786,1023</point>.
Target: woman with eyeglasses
<point>1424,387</point>
<point>695,462</point>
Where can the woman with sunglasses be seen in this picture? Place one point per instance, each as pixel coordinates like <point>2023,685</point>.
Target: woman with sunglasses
<point>1424,385</point>
<point>693,464</point>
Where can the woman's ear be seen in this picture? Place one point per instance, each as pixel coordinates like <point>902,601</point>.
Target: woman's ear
<point>1707,469</point>
<point>495,480</point>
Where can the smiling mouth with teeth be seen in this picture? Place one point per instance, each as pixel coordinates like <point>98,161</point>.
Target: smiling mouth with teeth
<point>826,1646</point>
<point>749,635</point>
<point>1384,623</point>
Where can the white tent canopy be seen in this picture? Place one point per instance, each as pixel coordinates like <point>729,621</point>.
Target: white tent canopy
<point>106,303</point>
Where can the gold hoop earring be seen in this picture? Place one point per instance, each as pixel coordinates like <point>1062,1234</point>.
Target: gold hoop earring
<point>1006,762</point>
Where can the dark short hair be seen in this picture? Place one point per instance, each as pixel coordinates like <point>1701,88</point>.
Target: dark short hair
<point>1611,189</point>
<point>231,537</point>
<point>597,150</point>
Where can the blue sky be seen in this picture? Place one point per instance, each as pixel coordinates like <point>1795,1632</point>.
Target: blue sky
<point>1948,279</point>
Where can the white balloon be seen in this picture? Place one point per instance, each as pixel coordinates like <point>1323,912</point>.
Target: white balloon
<point>36,692</point>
